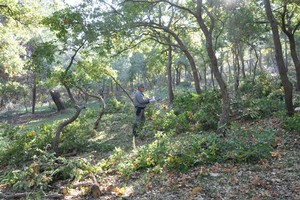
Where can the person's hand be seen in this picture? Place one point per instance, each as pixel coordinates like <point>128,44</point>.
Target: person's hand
<point>152,99</point>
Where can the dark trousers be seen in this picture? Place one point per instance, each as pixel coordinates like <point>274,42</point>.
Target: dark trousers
<point>139,120</point>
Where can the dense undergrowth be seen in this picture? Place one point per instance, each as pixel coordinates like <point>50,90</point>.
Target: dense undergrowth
<point>180,137</point>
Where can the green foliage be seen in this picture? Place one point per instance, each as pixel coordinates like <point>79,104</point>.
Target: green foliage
<point>11,88</point>
<point>114,105</point>
<point>24,144</point>
<point>259,100</point>
<point>292,123</point>
<point>262,87</point>
<point>191,112</point>
<point>296,100</point>
<point>247,145</point>
<point>261,108</point>
<point>75,136</point>
<point>182,153</point>
<point>162,119</point>
<point>44,169</point>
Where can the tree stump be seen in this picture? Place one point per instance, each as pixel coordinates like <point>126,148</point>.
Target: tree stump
<point>56,98</point>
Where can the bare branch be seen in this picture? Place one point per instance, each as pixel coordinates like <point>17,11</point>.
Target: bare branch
<point>73,57</point>
<point>117,82</point>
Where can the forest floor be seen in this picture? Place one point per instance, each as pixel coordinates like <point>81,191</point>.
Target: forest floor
<point>276,178</point>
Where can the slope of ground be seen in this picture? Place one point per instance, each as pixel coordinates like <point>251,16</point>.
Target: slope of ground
<point>277,178</point>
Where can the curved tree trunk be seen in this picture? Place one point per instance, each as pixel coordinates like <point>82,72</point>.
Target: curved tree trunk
<point>183,48</point>
<point>287,85</point>
<point>62,125</point>
<point>73,101</point>
<point>290,33</point>
<point>224,118</point>
<point>191,61</point>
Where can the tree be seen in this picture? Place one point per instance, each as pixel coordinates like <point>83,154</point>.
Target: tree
<point>287,85</point>
<point>159,25</point>
<point>41,55</point>
<point>290,23</point>
<point>207,26</point>
<point>207,29</point>
<point>73,30</point>
<point>19,25</point>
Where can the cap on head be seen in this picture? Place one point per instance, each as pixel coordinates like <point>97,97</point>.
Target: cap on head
<point>141,86</point>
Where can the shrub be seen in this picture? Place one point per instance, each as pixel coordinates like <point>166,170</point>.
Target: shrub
<point>113,105</point>
<point>262,86</point>
<point>260,108</point>
<point>182,153</point>
<point>247,145</point>
<point>163,120</point>
<point>74,137</point>
<point>191,112</point>
<point>292,123</point>
<point>25,144</point>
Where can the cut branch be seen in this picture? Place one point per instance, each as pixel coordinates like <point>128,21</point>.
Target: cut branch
<point>25,194</point>
<point>101,111</point>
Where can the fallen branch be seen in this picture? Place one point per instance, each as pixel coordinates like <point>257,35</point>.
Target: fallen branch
<point>80,184</point>
<point>25,194</point>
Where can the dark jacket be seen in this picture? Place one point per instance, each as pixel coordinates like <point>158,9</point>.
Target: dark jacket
<point>139,100</point>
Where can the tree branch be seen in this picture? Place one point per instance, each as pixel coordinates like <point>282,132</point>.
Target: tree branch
<point>115,80</point>
<point>73,57</point>
<point>101,112</point>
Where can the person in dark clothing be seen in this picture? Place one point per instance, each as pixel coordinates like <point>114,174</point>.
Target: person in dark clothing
<point>140,103</point>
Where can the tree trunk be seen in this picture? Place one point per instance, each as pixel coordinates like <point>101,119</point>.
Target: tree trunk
<point>286,52</point>
<point>177,75</point>
<point>255,65</point>
<point>169,72</point>
<point>229,71</point>
<point>236,67</point>
<point>1,102</point>
<point>288,88</point>
<point>131,86</point>
<point>101,111</point>
<point>295,59</point>
<point>34,94</point>
<point>205,79</point>
<point>116,81</point>
<point>73,101</point>
<point>189,57</point>
<point>224,118</point>
<point>212,77</point>
<point>56,98</point>
<point>62,125</point>
<point>260,61</point>
<point>241,53</point>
